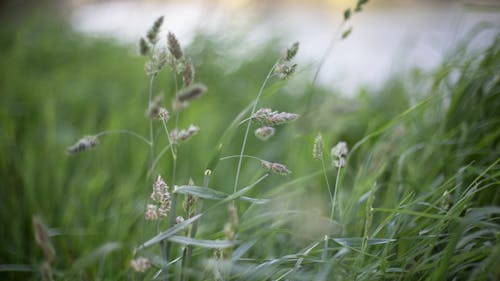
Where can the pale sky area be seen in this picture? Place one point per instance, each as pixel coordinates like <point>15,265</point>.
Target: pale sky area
<point>387,37</point>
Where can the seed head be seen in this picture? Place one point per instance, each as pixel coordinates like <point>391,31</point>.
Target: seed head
<point>264,133</point>
<point>273,118</point>
<point>156,63</point>
<point>183,134</point>
<point>347,14</point>
<point>318,147</point>
<point>160,193</point>
<point>339,150</point>
<point>43,239</point>
<point>154,107</point>
<point>188,74</point>
<point>152,34</point>
<point>338,153</point>
<point>276,168</point>
<point>140,264</point>
<point>346,33</point>
<point>163,114</point>
<point>191,93</point>
<point>292,51</point>
<point>143,47</point>
<point>173,46</point>
<point>179,219</point>
<point>83,144</point>
<point>285,70</point>
<point>151,212</point>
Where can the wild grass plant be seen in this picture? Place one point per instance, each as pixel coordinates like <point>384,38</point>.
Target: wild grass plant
<point>416,196</point>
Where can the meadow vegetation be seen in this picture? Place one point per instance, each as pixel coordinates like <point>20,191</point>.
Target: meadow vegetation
<point>416,199</point>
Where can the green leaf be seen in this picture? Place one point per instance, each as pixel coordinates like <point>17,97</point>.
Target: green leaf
<point>215,244</point>
<point>169,233</point>
<point>209,193</point>
<point>358,241</point>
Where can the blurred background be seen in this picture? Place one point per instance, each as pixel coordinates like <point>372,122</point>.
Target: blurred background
<point>72,68</point>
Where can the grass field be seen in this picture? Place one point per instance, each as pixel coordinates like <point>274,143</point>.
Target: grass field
<point>418,198</point>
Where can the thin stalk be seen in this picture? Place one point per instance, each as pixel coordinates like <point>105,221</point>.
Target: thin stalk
<point>189,251</point>
<point>249,122</point>
<point>127,132</point>
<point>335,193</point>
<point>245,156</point>
<point>173,206</point>
<point>328,186</point>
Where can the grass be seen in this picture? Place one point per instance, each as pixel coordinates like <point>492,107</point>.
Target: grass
<point>418,199</point>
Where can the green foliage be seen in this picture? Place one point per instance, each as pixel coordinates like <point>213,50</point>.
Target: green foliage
<point>418,199</point>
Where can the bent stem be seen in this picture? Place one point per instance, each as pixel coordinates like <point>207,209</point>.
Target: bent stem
<point>127,132</point>
<point>249,122</point>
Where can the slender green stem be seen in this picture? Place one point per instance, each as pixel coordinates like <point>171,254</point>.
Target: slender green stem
<point>335,193</point>
<point>127,132</point>
<point>327,186</point>
<point>173,206</point>
<point>162,152</point>
<point>151,128</point>
<point>238,156</point>
<point>249,122</point>
<point>168,137</point>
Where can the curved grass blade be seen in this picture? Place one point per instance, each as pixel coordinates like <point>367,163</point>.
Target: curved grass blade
<point>358,241</point>
<point>215,244</point>
<point>169,233</point>
<point>209,193</point>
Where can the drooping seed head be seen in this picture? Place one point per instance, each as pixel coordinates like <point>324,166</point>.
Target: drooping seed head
<point>83,144</point>
<point>192,92</point>
<point>276,168</point>
<point>273,118</point>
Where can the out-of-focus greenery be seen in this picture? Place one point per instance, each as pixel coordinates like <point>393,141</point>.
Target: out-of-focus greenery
<point>426,151</point>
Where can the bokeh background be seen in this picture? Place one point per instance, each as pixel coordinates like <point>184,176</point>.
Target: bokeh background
<point>71,68</point>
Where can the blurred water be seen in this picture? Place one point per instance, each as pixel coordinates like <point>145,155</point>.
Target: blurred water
<point>386,38</point>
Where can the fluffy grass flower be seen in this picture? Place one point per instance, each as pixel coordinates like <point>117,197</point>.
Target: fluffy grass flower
<point>265,133</point>
<point>140,264</point>
<point>276,168</point>
<point>83,144</point>
<point>318,147</point>
<point>268,117</point>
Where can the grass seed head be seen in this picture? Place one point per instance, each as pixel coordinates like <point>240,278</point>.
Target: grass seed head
<point>173,46</point>
<point>292,51</point>
<point>140,264</point>
<point>191,93</point>
<point>276,168</point>
<point>265,133</point>
<point>189,72</point>
<point>143,47</point>
<point>318,147</point>
<point>152,34</point>
<point>83,144</point>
